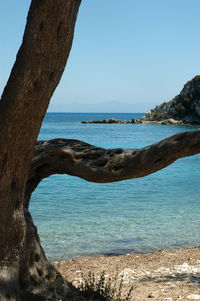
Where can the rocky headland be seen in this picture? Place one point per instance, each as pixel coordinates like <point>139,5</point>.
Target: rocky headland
<point>182,109</point>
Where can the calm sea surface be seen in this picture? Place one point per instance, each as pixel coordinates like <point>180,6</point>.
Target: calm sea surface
<point>78,218</point>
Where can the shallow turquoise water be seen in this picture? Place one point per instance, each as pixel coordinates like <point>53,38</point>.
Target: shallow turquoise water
<point>78,218</point>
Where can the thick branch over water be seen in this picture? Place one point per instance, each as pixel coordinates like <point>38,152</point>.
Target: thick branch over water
<point>95,164</point>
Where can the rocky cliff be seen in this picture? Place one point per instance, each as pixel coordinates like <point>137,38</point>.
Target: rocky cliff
<point>184,108</point>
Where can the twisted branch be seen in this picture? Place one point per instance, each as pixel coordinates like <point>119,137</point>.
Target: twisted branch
<point>96,164</point>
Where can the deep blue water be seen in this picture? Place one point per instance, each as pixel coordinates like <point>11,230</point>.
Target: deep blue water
<point>78,218</point>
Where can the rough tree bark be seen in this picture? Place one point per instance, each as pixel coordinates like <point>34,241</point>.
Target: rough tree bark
<point>40,62</point>
<point>25,273</point>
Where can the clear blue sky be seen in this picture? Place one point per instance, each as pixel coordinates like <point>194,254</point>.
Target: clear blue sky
<point>130,51</point>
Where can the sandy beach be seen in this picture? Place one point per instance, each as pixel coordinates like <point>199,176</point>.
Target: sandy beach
<point>164,275</point>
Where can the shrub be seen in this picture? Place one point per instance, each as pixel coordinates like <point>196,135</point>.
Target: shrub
<point>102,289</point>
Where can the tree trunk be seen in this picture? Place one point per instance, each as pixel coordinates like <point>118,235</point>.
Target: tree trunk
<point>39,65</point>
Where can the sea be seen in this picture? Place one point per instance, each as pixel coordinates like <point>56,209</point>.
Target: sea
<point>76,218</point>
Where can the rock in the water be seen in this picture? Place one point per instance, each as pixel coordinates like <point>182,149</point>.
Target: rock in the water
<point>109,120</point>
<point>135,120</point>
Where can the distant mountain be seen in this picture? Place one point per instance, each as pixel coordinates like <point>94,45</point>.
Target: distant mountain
<point>103,107</point>
<point>185,107</point>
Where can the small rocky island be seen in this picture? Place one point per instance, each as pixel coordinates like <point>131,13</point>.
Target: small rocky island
<point>182,109</point>
<point>111,120</point>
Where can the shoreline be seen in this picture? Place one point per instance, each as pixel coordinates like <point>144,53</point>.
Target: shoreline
<point>142,120</point>
<point>162,275</point>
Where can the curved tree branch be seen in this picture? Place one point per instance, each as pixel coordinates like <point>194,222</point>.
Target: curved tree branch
<point>95,164</point>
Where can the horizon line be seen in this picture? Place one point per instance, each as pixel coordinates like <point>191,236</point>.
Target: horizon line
<point>96,112</point>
